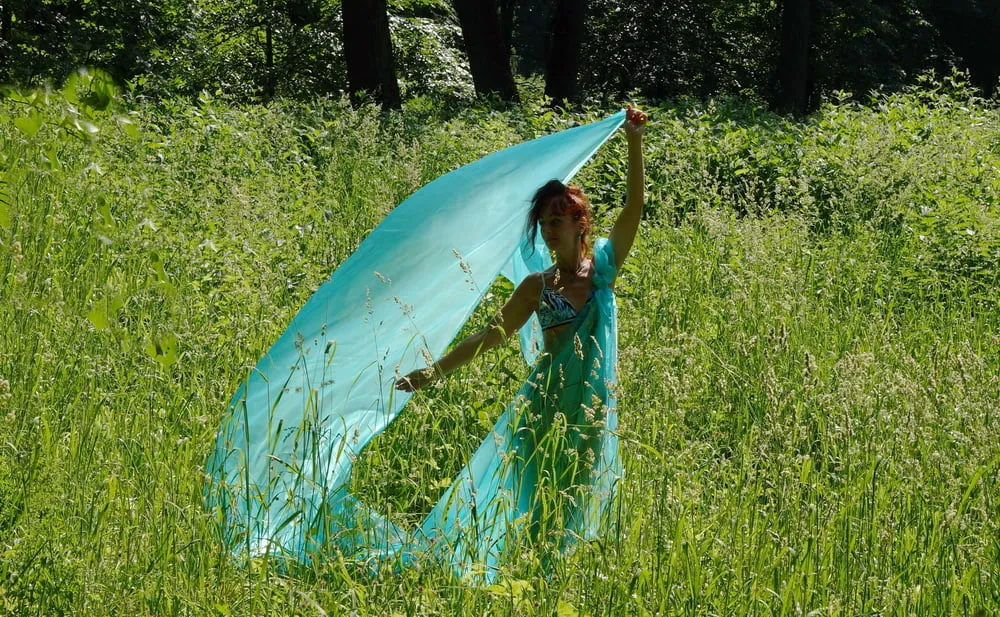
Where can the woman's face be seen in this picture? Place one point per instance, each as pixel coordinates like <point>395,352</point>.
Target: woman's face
<point>559,231</point>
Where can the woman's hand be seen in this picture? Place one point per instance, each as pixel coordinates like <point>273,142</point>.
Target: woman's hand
<point>635,121</point>
<point>416,380</point>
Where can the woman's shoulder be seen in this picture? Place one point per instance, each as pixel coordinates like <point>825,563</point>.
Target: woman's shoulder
<point>532,284</point>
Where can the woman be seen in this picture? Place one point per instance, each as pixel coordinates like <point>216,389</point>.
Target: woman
<point>552,463</point>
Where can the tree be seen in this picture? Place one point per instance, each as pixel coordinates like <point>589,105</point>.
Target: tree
<point>489,57</point>
<point>970,27</point>
<point>266,15</point>
<point>6,29</point>
<point>368,51</point>
<point>260,49</point>
<point>530,33</point>
<point>507,23</point>
<point>792,76</point>
<point>564,50</point>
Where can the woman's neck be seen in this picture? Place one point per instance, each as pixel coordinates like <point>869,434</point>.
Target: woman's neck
<point>569,265</point>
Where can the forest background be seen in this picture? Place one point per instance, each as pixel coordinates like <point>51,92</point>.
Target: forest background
<point>790,53</point>
<point>810,357</point>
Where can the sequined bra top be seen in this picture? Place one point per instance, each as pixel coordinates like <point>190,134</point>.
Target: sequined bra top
<point>554,309</point>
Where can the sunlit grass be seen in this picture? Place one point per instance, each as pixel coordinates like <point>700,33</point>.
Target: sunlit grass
<point>804,429</point>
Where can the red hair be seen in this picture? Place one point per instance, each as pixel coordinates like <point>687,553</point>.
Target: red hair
<point>563,199</point>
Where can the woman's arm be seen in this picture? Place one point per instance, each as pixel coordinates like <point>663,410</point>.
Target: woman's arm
<point>623,232</point>
<point>512,316</point>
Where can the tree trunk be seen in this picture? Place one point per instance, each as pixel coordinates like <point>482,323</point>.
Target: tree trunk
<point>564,50</point>
<point>507,24</point>
<point>6,32</point>
<point>368,51</point>
<point>489,59</point>
<point>970,28</point>
<point>268,59</point>
<point>792,78</point>
<point>265,17</point>
<point>533,19</point>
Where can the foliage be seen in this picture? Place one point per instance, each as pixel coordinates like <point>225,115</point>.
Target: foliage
<point>705,47</point>
<point>865,46</point>
<point>805,412</point>
<point>852,166</point>
<point>667,49</point>
<point>52,38</point>
<point>180,48</point>
<point>430,58</point>
<point>226,52</point>
<point>252,51</point>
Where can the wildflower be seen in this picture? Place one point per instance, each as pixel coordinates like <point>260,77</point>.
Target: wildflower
<point>4,396</point>
<point>428,358</point>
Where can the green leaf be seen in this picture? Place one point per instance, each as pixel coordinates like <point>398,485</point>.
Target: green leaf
<point>99,317</point>
<point>130,128</point>
<point>104,309</point>
<point>565,609</point>
<point>104,208</point>
<point>163,349</point>
<point>71,84</point>
<point>30,124</point>
<point>157,269</point>
<point>52,158</point>
<point>514,588</point>
<point>97,100</point>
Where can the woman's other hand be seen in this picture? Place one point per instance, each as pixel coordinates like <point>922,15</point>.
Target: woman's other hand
<point>416,380</point>
<point>635,121</point>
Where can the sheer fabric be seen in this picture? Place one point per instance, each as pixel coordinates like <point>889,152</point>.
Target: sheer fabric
<point>281,467</point>
<point>550,465</point>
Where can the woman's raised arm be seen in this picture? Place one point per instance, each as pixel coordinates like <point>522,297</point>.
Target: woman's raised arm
<point>512,316</point>
<point>625,228</point>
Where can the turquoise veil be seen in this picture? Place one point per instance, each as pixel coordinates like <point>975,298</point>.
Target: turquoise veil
<point>286,445</point>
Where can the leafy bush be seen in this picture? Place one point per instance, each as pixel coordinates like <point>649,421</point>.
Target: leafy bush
<point>429,57</point>
<point>921,167</point>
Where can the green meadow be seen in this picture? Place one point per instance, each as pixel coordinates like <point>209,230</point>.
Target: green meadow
<point>809,354</point>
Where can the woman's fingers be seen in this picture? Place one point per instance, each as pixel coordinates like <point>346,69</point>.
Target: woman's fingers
<point>404,384</point>
<point>414,381</point>
<point>635,116</point>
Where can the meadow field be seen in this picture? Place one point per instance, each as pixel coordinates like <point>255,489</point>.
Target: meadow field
<point>809,361</point>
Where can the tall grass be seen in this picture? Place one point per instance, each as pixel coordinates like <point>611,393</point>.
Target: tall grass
<point>810,359</point>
